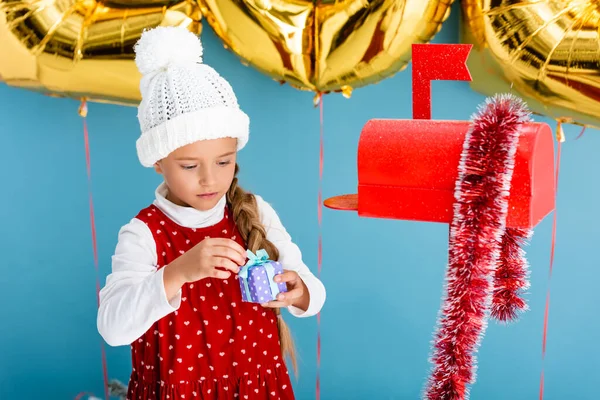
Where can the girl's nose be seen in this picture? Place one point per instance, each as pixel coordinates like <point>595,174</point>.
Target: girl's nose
<point>206,177</point>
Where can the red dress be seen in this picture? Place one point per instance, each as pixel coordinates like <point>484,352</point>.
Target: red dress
<point>214,346</point>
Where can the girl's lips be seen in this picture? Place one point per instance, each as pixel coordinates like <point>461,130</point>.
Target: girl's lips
<point>207,195</point>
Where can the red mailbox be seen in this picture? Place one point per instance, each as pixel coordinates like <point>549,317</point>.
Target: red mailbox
<point>407,169</point>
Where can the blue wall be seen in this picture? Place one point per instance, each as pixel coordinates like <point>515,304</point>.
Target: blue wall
<point>378,321</point>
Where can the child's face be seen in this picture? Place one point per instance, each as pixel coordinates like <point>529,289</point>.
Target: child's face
<point>199,174</point>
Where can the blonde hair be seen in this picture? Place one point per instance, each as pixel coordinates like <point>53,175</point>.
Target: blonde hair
<point>246,217</point>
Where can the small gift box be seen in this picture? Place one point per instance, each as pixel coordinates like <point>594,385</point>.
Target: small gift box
<point>256,278</point>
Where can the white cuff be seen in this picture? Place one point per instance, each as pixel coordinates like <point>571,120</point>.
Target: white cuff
<point>316,291</point>
<point>165,306</point>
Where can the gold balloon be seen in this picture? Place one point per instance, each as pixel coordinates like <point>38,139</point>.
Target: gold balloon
<point>548,52</point>
<point>82,48</point>
<point>328,45</point>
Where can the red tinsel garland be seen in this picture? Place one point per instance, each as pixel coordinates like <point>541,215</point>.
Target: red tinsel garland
<point>477,232</point>
<point>511,276</point>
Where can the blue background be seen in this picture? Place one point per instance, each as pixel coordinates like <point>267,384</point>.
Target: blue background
<point>384,278</point>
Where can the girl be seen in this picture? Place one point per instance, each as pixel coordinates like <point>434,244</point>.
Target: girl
<point>173,294</point>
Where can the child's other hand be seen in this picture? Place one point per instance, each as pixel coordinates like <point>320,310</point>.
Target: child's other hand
<point>202,260</point>
<point>297,294</point>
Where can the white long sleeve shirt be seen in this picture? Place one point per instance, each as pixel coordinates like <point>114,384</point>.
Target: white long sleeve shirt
<point>134,297</point>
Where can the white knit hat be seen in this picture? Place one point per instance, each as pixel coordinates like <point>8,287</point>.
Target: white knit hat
<point>183,100</point>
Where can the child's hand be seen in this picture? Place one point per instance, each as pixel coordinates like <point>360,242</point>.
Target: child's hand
<point>297,294</point>
<point>202,260</point>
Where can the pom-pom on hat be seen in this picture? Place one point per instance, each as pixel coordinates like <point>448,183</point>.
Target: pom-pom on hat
<point>183,100</point>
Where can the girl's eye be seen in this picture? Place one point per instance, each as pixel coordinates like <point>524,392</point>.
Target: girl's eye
<point>223,163</point>
<point>188,166</point>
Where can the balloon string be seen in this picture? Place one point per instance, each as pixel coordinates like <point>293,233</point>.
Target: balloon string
<point>320,248</point>
<point>80,395</point>
<point>83,114</point>
<point>581,133</point>
<point>553,246</point>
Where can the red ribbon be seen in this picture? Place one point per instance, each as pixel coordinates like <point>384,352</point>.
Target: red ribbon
<point>83,113</point>
<point>320,248</point>
<point>80,395</point>
<point>552,248</point>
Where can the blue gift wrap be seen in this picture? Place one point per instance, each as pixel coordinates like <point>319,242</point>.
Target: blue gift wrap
<point>256,278</point>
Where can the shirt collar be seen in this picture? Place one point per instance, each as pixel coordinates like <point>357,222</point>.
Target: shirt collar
<point>188,217</point>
